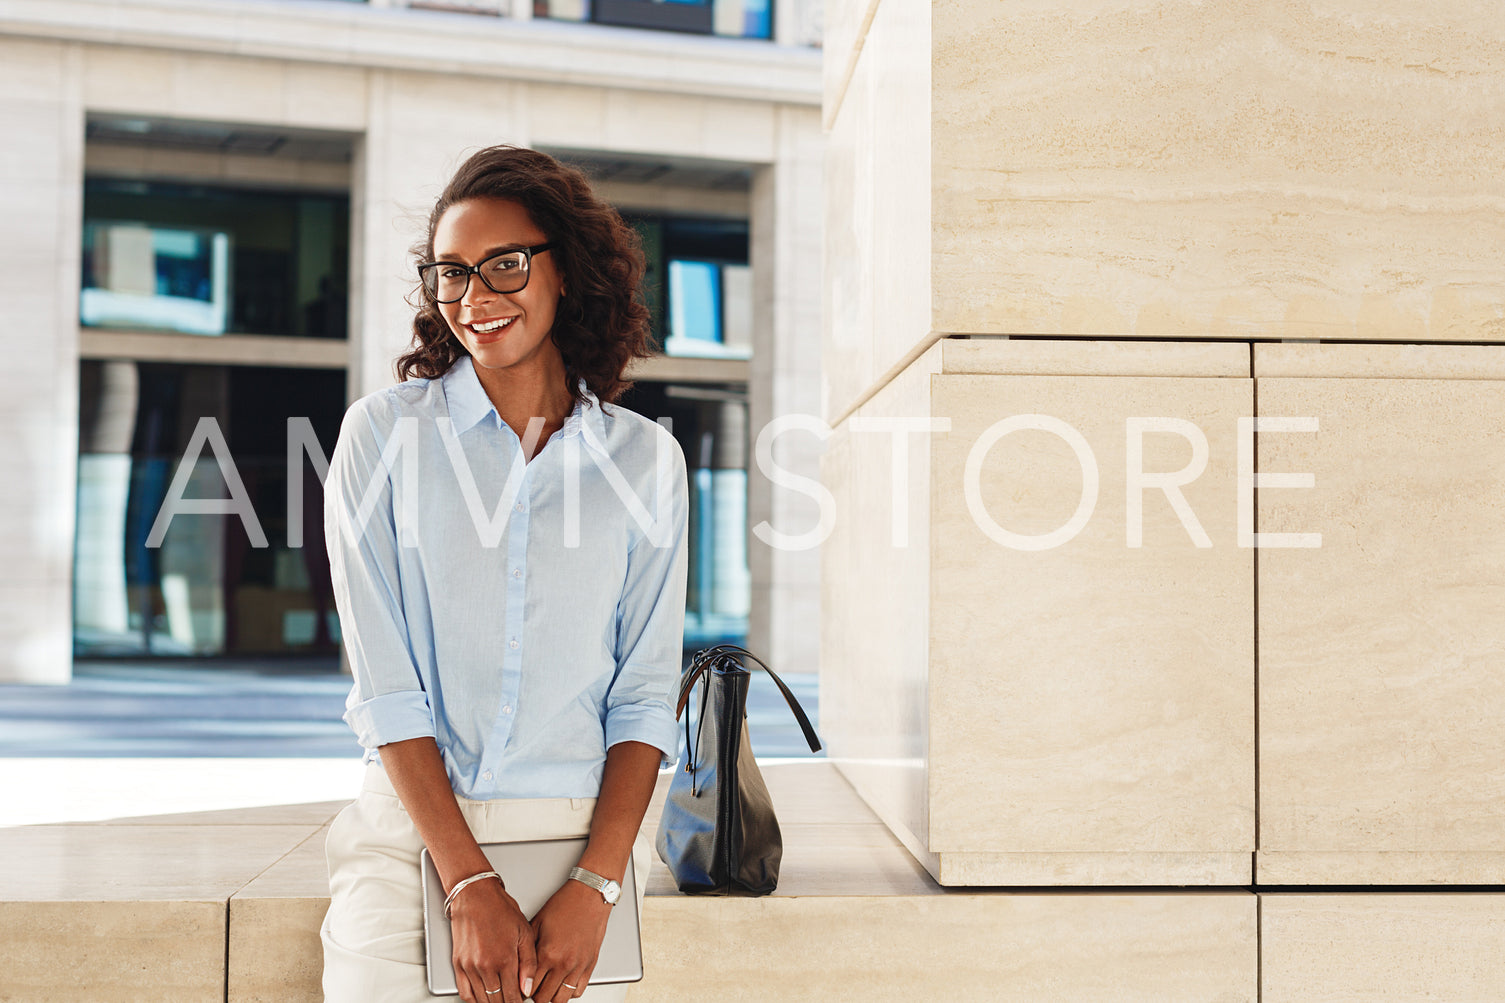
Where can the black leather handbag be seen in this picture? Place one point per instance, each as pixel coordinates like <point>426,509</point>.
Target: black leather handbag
<point>718,832</point>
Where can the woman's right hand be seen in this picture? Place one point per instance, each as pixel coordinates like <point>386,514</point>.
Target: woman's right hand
<point>493,945</point>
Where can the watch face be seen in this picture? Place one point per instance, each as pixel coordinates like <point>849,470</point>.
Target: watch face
<point>611,892</point>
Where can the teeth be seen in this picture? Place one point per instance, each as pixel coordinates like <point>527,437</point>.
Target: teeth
<point>492,326</point>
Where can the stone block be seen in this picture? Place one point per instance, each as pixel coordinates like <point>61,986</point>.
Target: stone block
<point>1378,948</point>
<point>1380,690</point>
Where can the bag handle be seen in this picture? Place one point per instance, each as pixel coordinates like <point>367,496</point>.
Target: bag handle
<point>706,659</point>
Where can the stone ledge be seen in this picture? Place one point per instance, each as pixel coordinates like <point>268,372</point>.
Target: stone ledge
<point>885,929</point>
<point>241,892</point>
<point>152,908</point>
<point>117,950</point>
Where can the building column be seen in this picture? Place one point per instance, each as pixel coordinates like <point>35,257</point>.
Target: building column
<point>419,128</point>
<point>784,381</point>
<point>41,104</point>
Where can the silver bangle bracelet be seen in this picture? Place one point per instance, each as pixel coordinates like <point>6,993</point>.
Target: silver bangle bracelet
<point>460,886</point>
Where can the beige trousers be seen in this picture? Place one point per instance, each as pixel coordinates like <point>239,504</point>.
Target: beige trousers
<point>373,932</point>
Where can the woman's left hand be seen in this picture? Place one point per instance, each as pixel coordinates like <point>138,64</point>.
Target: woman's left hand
<point>568,929</point>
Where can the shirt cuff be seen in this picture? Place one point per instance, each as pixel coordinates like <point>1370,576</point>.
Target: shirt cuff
<point>391,717</point>
<point>650,723</point>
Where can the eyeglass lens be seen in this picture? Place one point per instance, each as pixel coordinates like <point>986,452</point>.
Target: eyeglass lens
<point>505,273</point>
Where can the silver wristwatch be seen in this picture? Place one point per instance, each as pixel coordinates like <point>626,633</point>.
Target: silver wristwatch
<point>609,889</point>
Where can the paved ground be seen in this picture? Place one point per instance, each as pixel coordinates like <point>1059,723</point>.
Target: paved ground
<point>249,710</point>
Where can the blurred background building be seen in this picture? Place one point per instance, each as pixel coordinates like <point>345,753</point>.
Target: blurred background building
<point>208,213</point>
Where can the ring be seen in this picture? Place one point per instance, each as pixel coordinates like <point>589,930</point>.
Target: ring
<point>569,987</point>
<point>493,992</point>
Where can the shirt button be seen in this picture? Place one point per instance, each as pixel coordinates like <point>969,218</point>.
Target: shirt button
<point>486,775</point>
<point>513,642</point>
<point>507,709</point>
<point>517,572</point>
<point>519,506</point>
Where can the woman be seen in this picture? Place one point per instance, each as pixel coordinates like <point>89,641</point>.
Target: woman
<point>509,563</point>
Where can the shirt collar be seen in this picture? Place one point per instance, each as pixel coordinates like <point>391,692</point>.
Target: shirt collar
<point>469,404</point>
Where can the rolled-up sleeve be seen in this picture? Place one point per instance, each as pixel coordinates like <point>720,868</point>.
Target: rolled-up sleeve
<point>651,630</point>
<point>387,702</point>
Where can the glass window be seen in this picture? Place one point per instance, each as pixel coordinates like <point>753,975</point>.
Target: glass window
<point>744,18</point>
<point>710,422</point>
<point>694,302</point>
<point>734,18</point>
<point>698,285</point>
<point>142,276</point>
<point>206,587</point>
<point>197,259</point>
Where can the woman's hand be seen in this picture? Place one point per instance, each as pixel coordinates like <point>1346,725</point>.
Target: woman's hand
<point>569,929</point>
<point>493,945</point>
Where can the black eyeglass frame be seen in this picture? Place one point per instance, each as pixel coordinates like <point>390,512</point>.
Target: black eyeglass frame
<point>475,269</point>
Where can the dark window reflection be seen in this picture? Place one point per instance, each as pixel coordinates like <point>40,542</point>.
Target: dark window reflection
<point>734,18</point>
<point>698,285</point>
<point>207,589</point>
<point>199,259</point>
<point>710,423</point>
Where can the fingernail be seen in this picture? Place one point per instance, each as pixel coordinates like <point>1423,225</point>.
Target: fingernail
<point>527,987</point>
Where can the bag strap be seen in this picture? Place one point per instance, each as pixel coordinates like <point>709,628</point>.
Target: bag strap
<point>698,666</point>
<point>705,660</point>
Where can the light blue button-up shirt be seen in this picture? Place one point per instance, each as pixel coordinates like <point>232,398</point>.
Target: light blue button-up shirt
<point>527,615</point>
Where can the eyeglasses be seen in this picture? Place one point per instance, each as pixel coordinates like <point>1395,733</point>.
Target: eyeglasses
<point>448,281</point>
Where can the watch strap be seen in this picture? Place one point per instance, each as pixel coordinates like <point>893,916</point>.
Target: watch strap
<point>596,881</point>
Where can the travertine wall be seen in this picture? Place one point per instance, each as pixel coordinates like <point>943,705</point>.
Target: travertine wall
<point>1291,169</point>
<point>1066,221</point>
<point>1382,653</point>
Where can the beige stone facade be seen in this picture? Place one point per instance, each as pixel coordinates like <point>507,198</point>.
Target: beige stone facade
<point>1253,250</point>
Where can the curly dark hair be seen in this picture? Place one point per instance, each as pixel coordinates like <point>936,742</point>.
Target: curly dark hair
<point>603,324</point>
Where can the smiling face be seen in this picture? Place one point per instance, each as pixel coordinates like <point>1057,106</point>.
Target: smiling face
<point>502,331</point>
